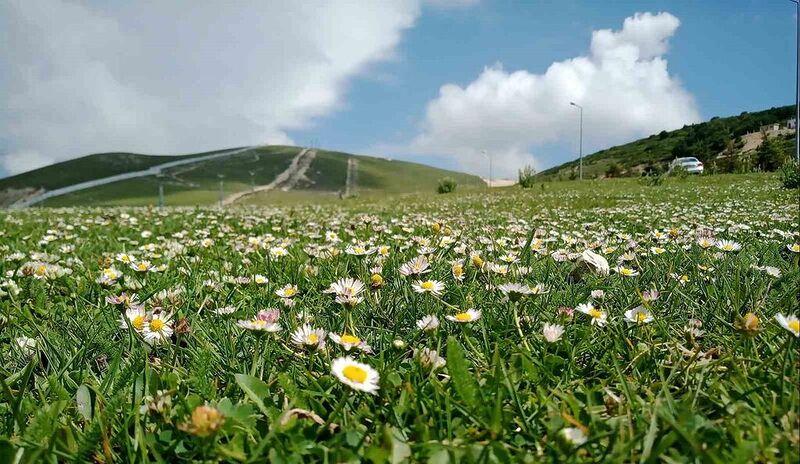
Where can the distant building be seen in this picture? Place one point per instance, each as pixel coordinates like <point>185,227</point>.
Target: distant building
<point>776,128</point>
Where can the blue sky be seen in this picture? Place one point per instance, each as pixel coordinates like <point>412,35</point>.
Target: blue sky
<point>731,56</point>
<point>434,81</point>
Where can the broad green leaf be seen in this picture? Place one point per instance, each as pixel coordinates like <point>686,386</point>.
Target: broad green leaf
<point>255,389</point>
<point>462,380</point>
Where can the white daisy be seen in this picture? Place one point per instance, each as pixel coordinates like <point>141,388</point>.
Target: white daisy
<point>599,318</point>
<point>790,323</point>
<point>158,329</point>
<point>356,375</point>
<point>638,315</point>
<point>307,337</point>
<point>469,315</point>
<point>429,286</point>
<point>428,323</point>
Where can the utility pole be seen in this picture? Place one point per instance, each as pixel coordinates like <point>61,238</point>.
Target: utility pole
<point>221,188</point>
<point>580,142</point>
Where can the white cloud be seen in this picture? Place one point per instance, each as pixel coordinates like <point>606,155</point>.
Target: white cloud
<point>623,85</point>
<point>451,3</point>
<point>170,77</point>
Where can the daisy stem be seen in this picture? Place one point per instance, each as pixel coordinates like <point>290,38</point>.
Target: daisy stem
<point>255,356</point>
<point>519,327</point>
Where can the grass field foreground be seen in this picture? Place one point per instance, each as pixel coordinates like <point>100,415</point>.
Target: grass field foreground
<point>572,322</point>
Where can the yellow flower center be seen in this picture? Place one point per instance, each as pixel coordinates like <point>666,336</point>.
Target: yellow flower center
<point>359,250</point>
<point>156,325</point>
<point>289,291</point>
<point>595,313</point>
<point>796,247</point>
<point>641,317</point>
<point>312,338</point>
<point>427,285</point>
<point>794,326</point>
<point>355,374</point>
<point>142,267</point>
<point>350,339</point>
<point>138,322</point>
<point>463,317</point>
<point>41,270</point>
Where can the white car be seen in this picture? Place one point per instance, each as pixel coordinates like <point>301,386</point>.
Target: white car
<point>691,164</point>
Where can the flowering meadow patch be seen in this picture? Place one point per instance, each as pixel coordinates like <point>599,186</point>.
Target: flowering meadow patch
<point>600,322</point>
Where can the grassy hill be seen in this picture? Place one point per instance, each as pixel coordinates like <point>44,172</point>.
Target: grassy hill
<point>704,140</point>
<point>198,183</point>
<point>88,167</point>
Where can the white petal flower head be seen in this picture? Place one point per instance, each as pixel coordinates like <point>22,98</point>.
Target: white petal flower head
<point>428,323</point>
<point>135,316</point>
<point>790,323</point>
<point>728,245</point>
<point>638,315</point>
<point>574,436</point>
<point>158,329</point>
<point>348,342</point>
<point>552,332</point>
<point>287,291</point>
<point>429,286</point>
<point>599,318</point>
<point>356,375</point>
<point>307,337</point>
<point>430,359</point>
<point>470,315</point>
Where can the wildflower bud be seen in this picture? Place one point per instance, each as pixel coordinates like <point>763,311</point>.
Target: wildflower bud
<point>205,421</point>
<point>749,324</point>
<point>447,231</point>
<point>399,344</point>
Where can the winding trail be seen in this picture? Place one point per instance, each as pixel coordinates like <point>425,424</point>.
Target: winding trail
<point>153,171</point>
<point>285,181</point>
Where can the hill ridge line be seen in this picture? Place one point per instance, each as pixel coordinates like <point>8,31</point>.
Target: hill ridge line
<point>152,171</point>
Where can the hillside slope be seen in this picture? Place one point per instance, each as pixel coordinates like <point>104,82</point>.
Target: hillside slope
<point>199,183</point>
<point>704,140</point>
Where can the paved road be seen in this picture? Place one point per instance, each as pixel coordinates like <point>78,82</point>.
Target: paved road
<point>285,181</point>
<point>153,171</point>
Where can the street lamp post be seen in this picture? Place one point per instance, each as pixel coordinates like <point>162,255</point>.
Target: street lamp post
<point>580,143</point>
<point>797,80</point>
<point>484,153</point>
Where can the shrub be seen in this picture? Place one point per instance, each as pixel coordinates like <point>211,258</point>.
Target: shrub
<point>613,170</point>
<point>446,185</point>
<point>653,169</point>
<point>527,177</point>
<point>790,175</point>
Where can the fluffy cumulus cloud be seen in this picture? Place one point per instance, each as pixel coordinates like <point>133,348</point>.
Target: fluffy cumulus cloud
<point>166,77</point>
<point>623,84</point>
